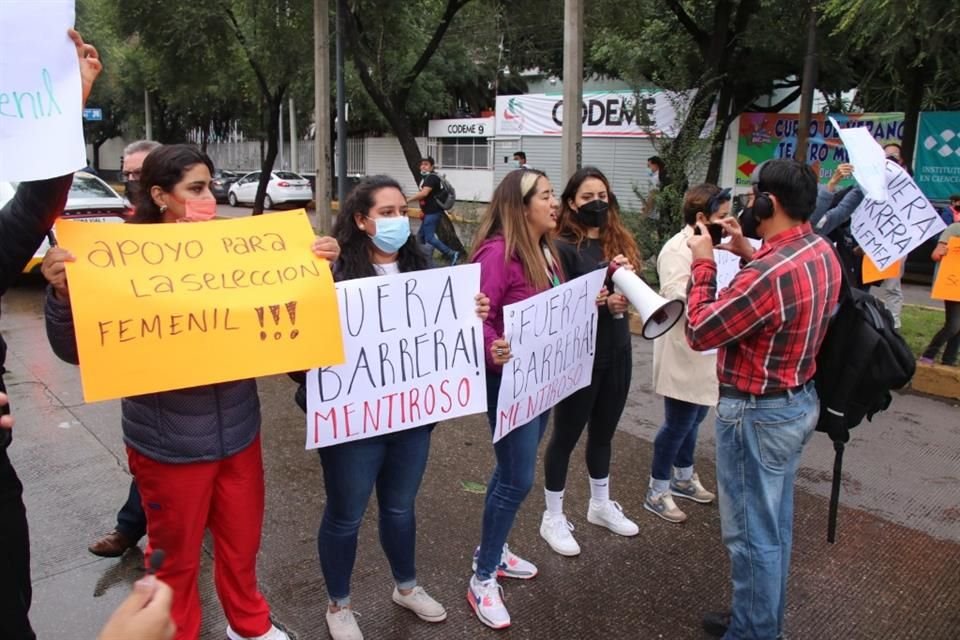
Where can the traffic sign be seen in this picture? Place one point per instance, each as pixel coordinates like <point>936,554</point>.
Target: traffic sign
<point>93,114</point>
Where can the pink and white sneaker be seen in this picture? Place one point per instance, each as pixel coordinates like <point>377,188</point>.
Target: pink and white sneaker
<point>486,600</point>
<point>511,565</point>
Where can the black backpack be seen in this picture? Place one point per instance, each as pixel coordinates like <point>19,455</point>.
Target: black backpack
<point>447,197</point>
<point>861,360</point>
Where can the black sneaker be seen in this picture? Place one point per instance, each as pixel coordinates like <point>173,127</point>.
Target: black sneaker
<point>716,623</point>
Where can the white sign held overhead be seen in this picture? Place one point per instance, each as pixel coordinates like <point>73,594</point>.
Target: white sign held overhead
<point>890,229</point>
<point>41,127</point>
<point>552,338</point>
<point>414,356</point>
<point>866,156</point>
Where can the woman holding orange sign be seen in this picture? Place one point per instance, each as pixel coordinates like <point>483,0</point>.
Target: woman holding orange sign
<point>195,452</point>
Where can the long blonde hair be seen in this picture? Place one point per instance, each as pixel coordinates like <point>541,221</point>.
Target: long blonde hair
<point>505,216</point>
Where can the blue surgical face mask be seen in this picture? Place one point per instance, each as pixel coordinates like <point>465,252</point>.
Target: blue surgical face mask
<point>392,233</point>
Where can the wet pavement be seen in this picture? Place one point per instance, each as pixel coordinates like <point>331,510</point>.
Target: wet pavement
<point>893,572</point>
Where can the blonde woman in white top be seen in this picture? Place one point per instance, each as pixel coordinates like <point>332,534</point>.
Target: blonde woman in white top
<point>686,379</point>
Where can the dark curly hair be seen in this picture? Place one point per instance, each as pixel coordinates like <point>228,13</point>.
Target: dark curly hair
<point>355,244</point>
<point>164,167</point>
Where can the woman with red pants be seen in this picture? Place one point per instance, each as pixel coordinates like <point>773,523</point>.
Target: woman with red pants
<point>195,453</point>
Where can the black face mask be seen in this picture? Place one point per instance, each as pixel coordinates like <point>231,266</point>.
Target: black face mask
<point>749,223</point>
<point>132,190</point>
<point>593,213</point>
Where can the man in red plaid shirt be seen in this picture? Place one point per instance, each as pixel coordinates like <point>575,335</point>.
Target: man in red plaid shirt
<point>768,325</point>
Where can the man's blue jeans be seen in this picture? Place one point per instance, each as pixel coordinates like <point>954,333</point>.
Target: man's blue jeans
<point>131,520</point>
<point>759,442</point>
<point>394,464</point>
<point>510,483</point>
<point>427,234</point>
<point>677,438</point>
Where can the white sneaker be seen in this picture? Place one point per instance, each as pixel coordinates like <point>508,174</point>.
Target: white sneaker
<point>343,624</point>
<point>609,514</point>
<point>421,604</point>
<point>486,600</point>
<point>556,531</point>
<point>273,634</point>
<point>511,565</point>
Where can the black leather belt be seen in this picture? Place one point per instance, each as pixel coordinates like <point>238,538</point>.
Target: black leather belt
<point>732,392</point>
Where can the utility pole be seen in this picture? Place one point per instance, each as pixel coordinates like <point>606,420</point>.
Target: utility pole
<point>294,155</point>
<point>147,116</point>
<point>341,104</point>
<point>280,137</point>
<point>807,85</point>
<point>321,97</point>
<point>572,140</point>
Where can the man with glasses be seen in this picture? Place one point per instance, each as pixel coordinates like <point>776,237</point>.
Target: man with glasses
<point>133,157</point>
<point>131,520</point>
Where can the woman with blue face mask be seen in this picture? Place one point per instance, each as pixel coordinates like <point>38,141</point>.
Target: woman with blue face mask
<point>374,234</point>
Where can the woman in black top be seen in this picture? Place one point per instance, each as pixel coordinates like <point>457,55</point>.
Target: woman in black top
<point>591,234</point>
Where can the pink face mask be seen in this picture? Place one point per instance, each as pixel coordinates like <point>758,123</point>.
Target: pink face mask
<point>200,209</point>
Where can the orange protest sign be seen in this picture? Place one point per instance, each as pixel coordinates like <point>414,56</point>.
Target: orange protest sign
<point>947,284</point>
<point>167,306</point>
<point>872,274</point>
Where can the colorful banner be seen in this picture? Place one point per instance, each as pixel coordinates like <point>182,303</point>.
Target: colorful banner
<point>170,306</point>
<point>414,356</point>
<point>607,114</point>
<point>947,284</point>
<point>41,125</point>
<point>889,230</point>
<point>764,136</point>
<point>552,338</point>
<point>938,154</point>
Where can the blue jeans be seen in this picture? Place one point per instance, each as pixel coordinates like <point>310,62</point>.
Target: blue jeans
<point>394,463</point>
<point>427,234</point>
<point>131,520</point>
<point>759,442</point>
<point>510,483</point>
<point>677,438</point>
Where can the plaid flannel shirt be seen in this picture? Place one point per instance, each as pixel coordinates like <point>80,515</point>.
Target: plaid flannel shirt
<point>769,323</point>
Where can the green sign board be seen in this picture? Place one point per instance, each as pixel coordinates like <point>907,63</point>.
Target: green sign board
<point>937,166</point>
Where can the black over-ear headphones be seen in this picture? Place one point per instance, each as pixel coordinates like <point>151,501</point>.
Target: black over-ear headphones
<point>762,204</point>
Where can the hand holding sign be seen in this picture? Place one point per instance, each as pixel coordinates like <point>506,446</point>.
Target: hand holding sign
<point>90,66</point>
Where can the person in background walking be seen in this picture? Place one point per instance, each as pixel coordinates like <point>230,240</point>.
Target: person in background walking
<point>949,334</point>
<point>591,235</point>
<point>686,379</point>
<point>517,260</point>
<point>430,187</point>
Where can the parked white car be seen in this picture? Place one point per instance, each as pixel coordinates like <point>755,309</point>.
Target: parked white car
<point>285,187</point>
<point>90,200</point>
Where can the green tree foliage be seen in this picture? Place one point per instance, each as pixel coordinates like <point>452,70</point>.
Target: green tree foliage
<point>909,54</point>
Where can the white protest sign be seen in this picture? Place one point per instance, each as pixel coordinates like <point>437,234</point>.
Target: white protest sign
<point>728,264</point>
<point>552,338</point>
<point>414,356</point>
<point>868,160</point>
<point>889,230</point>
<point>41,128</point>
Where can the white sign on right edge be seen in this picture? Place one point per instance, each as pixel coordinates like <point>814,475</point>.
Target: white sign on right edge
<point>888,230</point>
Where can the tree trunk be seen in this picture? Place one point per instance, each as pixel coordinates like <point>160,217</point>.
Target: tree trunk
<point>719,136</point>
<point>274,104</point>
<point>911,115</point>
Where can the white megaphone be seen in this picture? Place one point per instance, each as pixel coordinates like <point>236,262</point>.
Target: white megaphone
<point>658,314</point>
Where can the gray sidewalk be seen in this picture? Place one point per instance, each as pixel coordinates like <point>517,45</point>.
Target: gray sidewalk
<point>892,574</point>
